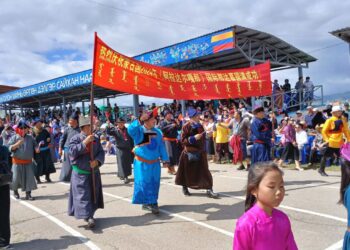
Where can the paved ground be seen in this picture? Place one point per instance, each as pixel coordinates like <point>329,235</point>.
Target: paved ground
<point>195,222</point>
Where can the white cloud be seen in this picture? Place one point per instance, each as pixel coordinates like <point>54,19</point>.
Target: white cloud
<point>29,27</point>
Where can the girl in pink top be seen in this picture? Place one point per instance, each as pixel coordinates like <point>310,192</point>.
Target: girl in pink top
<point>262,227</point>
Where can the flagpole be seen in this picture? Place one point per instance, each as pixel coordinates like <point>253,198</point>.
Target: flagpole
<point>92,125</point>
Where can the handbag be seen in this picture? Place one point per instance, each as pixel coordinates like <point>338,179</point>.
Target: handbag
<point>193,156</point>
<point>345,151</point>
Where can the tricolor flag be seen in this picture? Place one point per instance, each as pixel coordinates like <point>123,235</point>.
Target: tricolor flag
<point>223,41</point>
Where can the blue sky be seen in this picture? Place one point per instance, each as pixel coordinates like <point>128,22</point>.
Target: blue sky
<point>41,40</point>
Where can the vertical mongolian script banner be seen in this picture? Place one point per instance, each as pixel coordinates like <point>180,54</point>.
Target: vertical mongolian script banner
<point>113,70</point>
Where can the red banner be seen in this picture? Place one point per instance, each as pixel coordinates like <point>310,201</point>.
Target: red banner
<point>113,70</point>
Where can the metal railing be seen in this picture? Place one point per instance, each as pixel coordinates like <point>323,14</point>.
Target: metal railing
<point>295,99</point>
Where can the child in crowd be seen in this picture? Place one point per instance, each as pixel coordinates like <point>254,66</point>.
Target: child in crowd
<point>345,197</point>
<point>262,226</point>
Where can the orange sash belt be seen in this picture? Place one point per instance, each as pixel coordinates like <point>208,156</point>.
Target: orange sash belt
<point>20,161</point>
<point>169,139</point>
<point>145,160</point>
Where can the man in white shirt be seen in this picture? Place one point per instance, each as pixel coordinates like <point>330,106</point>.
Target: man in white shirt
<point>301,138</point>
<point>309,91</point>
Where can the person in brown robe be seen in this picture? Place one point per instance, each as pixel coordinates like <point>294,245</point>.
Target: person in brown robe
<point>193,171</point>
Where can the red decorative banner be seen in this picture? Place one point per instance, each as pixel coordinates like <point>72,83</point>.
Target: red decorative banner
<point>115,71</point>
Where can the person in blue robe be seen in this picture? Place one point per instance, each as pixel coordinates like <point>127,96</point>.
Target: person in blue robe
<point>82,203</point>
<point>261,135</point>
<point>149,150</point>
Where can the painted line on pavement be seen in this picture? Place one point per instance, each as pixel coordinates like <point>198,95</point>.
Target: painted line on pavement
<point>227,233</point>
<point>232,177</point>
<point>307,185</point>
<point>67,228</point>
<point>336,246</point>
<point>297,210</point>
<point>281,206</point>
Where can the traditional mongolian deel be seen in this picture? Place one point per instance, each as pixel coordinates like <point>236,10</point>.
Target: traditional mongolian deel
<point>81,203</point>
<point>44,164</point>
<point>261,135</point>
<point>124,146</point>
<point>66,170</point>
<point>170,134</point>
<point>22,163</point>
<point>149,150</point>
<point>194,174</point>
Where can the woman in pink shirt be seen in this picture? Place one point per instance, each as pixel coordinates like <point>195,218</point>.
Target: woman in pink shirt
<point>262,227</point>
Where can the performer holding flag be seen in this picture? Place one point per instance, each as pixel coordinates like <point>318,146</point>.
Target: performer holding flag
<point>81,195</point>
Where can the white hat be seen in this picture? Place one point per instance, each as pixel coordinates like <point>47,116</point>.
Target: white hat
<point>336,108</point>
<point>309,107</point>
<point>84,121</point>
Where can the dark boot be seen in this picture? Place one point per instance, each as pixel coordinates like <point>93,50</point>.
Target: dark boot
<point>155,209</point>
<point>38,179</point>
<point>211,194</point>
<point>91,222</point>
<point>147,207</point>
<point>185,191</point>
<point>48,178</point>
<point>16,194</point>
<point>321,170</point>
<point>29,196</point>
<point>126,180</point>
<point>241,167</point>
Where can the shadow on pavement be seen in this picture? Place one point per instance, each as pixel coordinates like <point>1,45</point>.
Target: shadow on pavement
<point>43,244</point>
<point>134,221</point>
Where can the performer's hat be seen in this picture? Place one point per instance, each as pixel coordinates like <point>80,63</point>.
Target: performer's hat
<point>166,112</point>
<point>36,120</point>
<point>193,112</point>
<point>309,107</point>
<point>258,110</point>
<point>84,121</point>
<point>149,113</point>
<point>336,108</point>
<point>120,120</point>
<point>299,112</point>
<point>74,116</point>
<point>22,124</point>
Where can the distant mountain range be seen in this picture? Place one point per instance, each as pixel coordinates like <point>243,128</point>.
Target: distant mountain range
<point>337,97</point>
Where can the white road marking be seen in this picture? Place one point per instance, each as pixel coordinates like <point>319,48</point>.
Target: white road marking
<point>232,177</point>
<point>336,246</point>
<point>227,233</point>
<point>67,228</point>
<point>307,185</point>
<point>298,210</point>
<point>282,206</point>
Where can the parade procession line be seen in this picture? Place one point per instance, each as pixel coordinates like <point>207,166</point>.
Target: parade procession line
<point>67,228</point>
<point>185,218</point>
